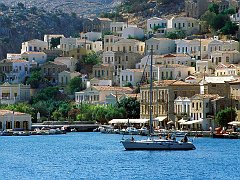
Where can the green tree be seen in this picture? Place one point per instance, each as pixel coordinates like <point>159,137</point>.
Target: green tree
<point>75,85</point>
<point>230,11</point>
<point>219,21</point>
<point>91,58</point>
<point>35,79</point>
<point>55,42</point>
<point>56,115</point>
<point>213,8</point>
<point>131,106</point>
<point>64,108</point>
<point>229,28</point>
<point>225,116</point>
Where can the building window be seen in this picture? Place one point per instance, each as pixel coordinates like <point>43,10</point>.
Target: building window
<point>192,105</point>
<point>227,59</point>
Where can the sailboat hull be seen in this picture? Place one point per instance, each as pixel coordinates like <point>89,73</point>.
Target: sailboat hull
<point>157,145</point>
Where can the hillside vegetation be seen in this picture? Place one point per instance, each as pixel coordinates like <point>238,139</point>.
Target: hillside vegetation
<point>19,24</point>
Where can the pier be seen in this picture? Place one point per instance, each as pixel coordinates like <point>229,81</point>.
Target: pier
<point>79,126</point>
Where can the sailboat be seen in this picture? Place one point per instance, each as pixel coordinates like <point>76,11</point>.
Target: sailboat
<point>153,143</point>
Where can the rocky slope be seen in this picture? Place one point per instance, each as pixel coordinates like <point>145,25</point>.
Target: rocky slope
<point>18,24</point>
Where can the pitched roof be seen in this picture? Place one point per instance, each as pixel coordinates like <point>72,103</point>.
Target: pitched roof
<point>203,96</point>
<point>4,112</point>
<point>110,88</point>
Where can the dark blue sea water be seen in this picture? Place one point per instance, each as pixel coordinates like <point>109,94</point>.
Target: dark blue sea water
<point>101,156</point>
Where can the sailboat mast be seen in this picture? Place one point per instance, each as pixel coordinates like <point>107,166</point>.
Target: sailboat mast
<point>151,95</point>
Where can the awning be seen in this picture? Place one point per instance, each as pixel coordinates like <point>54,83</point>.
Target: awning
<point>182,121</point>
<point>124,121</point>
<point>234,123</point>
<point>170,122</point>
<point>160,118</point>
<point>187,123</point>
<point>191,122</point>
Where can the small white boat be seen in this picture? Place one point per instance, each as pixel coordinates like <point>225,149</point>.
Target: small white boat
<point>143,131</point>
<point>132,131</point>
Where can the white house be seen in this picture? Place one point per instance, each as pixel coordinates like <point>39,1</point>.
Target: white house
<point>183,59</point>
<point>156,22</point>
<point>34,45</point>
<point>91,36</point>
<point>100,82</point>
<point>182,105</point>
<point>187,24</point>
<point>48,38</point>
<point>132,76</point>
<point>133,32</point>
<point>118,27</point>
<point>191,79</point>
<point>160,45</point>
<point>173,71</point>
<point>69,61</point>
<point>13,56</point>
<point>225,57</point>
<point>191,47</point>
<point>15,120</point>
<point>226,70</point>
<point>202,67</point>
<point>38,57</point>
<point>15,70</point>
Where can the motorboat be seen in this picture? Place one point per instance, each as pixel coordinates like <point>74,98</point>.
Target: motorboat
<point>143,131</point>
<point>132,131</point>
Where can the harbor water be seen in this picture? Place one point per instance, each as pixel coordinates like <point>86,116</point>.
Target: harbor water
<point>102,156</point>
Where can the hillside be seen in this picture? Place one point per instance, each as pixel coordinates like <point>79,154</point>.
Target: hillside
<point>80,7</point>
<point>136,11</point>
<point>18,24</point>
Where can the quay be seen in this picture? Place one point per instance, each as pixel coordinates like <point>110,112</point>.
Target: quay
<point>78,126</point>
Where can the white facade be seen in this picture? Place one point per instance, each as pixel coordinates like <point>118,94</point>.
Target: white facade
<point>38,57</point>
<point>156,22</point>
<point>13,56</point>
<point>91,36</point>
<point>226,70</point>
<point>225,57</point>
<point>182,59</point>
<point>68,44</point>
<point>109,41</point>
<point>173,72</point>
<point>117,27</point>
<point>132,76</point>
<point>48,37</point>
<point>69,61</point>
<point>191,47</point>
<point>182,105</point>
<point>202,67</point>
<point>15,120</point>
<point>34,45</point>
<point>19,70</point>
<point>129,45</point>
<point>97,46</point>
<point>133,32</point>
<point>160,45</point>
<point>97,82</point>
<point>187,24</point>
